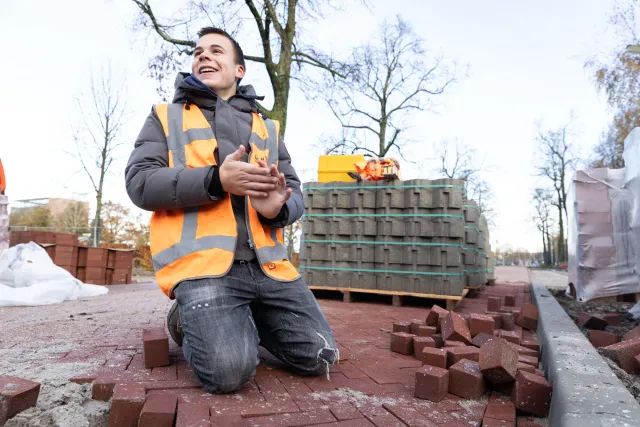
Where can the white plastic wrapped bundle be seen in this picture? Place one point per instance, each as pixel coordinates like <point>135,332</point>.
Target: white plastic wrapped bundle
<point>600,243</point>
<point>4,223</point>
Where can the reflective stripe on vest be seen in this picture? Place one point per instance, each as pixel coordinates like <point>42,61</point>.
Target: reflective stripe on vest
<point>177,140</point>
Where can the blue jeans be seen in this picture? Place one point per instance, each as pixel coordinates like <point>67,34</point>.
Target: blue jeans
<point>225,319</point>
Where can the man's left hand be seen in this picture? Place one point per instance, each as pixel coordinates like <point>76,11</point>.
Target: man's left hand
<point>270,206</point>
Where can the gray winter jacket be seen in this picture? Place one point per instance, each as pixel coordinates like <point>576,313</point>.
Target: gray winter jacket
<point>153,186</point>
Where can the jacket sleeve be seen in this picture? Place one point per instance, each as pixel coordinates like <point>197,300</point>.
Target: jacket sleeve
<point>152,185</point>
<point>294,207</point>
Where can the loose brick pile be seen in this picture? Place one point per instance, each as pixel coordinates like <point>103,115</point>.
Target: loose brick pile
<point>99,266</point>
<point>370,386</point>
<point>468,355</point>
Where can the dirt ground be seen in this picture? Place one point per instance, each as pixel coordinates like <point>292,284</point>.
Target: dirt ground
<point>574,308</point>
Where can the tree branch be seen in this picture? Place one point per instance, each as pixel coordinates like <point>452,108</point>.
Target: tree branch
<point>146,9</point>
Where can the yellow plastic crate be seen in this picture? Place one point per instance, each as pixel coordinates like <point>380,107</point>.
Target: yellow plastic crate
<point>335,168</point>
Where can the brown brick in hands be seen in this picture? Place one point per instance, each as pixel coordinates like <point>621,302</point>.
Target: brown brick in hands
<point>159,410</point>
<point>479,323</point>
<point>499,361</point>
<point>419,343</point>
<point>16,395</point>
<point>434,357</point>
<point>466,380</point>
<point>602,339</point>
<point>494,304</point>
<point>454,328</point>
<point>432,383</point>
<point>402,327</point>
<point>155,347</point>
<point>528,317</point>
<point>426,331</point>
<point>455,354</point>
<point>402,342</point>
<point>127,403</point>
<point>532,394</point>
<point>623,353</point>
<point>591,322</point>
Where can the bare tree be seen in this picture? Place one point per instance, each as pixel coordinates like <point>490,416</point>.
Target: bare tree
<point>98,135</point>
<point>542,218</point>
<point>556,162</point>
<point>460,163</point>
<point>463,163</point>
<point>280,37</point>
<point>387,81</point>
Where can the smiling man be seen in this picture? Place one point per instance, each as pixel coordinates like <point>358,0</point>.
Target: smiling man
<point>221,186</point>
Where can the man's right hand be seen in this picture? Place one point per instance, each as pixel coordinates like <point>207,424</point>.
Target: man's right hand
<point>244,179</point>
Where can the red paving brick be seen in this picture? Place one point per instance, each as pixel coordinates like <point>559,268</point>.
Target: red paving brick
<point>370,386</point>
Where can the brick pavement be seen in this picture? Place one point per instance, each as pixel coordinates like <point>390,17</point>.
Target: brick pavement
<point>370,386</point>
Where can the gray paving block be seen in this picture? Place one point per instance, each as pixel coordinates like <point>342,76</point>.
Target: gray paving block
<point>471,212</point>
<point>469,256</point>
<point>448,197</point>
<point>471,236</point>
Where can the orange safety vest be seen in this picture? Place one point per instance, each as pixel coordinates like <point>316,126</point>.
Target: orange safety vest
<point>200,241</point>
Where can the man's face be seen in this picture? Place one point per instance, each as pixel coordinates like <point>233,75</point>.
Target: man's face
<point>215,65</point>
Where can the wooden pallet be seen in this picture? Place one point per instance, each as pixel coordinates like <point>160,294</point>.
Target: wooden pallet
<point>452,301</point>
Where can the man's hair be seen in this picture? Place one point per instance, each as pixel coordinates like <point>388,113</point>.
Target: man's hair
<point>239,56</point>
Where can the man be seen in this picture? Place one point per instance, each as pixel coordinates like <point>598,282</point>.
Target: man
<point>221,187</point>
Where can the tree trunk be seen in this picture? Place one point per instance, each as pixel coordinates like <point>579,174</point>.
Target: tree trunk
<point>544,249</point>
<point>550,248</point>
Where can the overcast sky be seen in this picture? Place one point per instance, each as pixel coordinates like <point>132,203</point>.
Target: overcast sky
<point>526,64</point>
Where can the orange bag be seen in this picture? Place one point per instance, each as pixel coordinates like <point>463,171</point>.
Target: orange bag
<point>378,169</point>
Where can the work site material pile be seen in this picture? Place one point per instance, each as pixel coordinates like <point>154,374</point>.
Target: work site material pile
<point>468,355</point>
<point>417,236</point>
<point>98,266</point>
<point>601,260</point>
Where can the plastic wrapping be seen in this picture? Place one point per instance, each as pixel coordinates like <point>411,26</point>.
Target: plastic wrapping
<point>600,242</point>
<point>4,223</point>
<point>29,277</point>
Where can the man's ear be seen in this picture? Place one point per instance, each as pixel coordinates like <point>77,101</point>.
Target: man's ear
<point>239,72</point>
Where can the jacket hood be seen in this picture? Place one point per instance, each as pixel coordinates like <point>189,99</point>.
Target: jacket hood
<point>189,89</point>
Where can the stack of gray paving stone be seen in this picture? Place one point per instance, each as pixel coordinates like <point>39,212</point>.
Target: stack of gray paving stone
<point>406,236</point>
<point>339,230</point>
<point>420,228</point>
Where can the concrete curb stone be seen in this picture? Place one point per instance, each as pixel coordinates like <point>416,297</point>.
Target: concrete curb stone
<point>586,392</point>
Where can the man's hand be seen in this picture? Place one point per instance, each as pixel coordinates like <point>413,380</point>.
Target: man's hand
<point>270,206</point>
<point>244,179</point>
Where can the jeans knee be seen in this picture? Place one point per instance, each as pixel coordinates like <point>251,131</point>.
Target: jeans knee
<point>319,357</point>
<point>225,374</point>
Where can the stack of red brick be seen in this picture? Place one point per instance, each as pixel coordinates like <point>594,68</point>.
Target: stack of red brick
<point>467,355</point>
<point>131,406</point>
<point>625,353</point>
<point>98,266</point>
